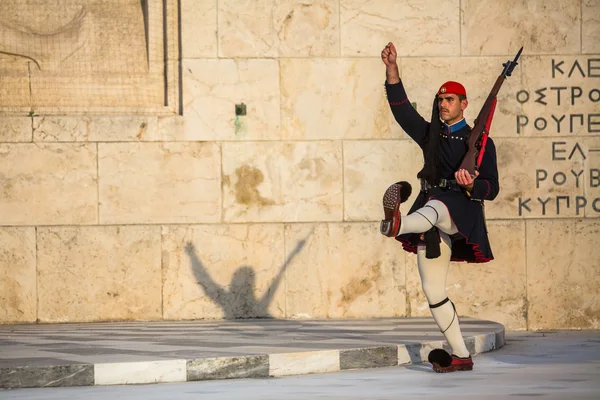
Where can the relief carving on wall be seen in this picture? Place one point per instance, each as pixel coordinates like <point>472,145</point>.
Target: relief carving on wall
<point>86,56</point>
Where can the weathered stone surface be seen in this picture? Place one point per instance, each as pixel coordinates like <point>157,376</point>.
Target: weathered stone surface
<point>590,26</point>
<point>122,129</point>
<point>276,181</point>
<point>228,368</point>
<point>271,28</point>
<point>559,96</point>
<point>56,186</point>
<point>337,276</point>
<point>490,27</point>
<point>99,273</point>
<point>159,182</point>
<point>213,88</point>
<point>246,29</point>
<point>61,129</point>
<point>199,28</point>
<point>102,92</point>
<point>493,291</point>
<point>335,99</point>
<point>561,282</point>
<point>67,39</point>
<point>591,176</point>
<point>423,77</point>
<point>15,94</point>
<point>98,54</point>
<point>373,357</point>
<point>536,177</point>
<point>306,362</point>
<point>223,271</point>
<point>47,376</point>
<point>172,128</point>
<point>370,167</point>
<point>15,129</point>
<point>94,129</point>
<point>413,26</point>
<point>18,296</point>
<point>140,372</point>
<point>307,28</point>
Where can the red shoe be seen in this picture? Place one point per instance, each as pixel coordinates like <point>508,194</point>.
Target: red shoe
<point>395,195</point>
<point>443,362</point>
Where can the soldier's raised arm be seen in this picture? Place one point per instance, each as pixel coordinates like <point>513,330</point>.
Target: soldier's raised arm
<point>409,119</point>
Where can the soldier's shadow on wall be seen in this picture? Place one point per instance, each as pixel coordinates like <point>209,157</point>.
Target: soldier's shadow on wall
<point>239,300</point>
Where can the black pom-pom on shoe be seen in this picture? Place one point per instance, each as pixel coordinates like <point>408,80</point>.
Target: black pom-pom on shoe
<point>405,190</point>
<point>440,357</point>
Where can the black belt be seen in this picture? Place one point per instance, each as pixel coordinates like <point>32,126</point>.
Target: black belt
<point>448,184</point>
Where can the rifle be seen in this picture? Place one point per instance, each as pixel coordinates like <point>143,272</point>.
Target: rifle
<point>481,130</point>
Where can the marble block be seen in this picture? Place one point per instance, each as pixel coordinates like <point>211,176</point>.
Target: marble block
<point>338,276</point>
<point>307,28</point>
<point>47,376</point>
<point>61,129</point>
<point>89,56</point>
<point>199,28</point>
<point>95,129</point>
<point>57,184</point>
<point>180,182</point>
<point>15,92</point>
<point>562,274</point>
<point>370,167</point>
<point>99,273</point>
<point>101,92</point>
<point>490,27</point>
<point>223,271</point>
<point>18,293</point>
<point>123,129</point>
<point>309,362</point>
<point>373,357</point>
<point>140,372</point>
<point>231,99</point>
<point>284,28</point>
<point>282,181</point>
<point>590,26</point>
<point>335,99</point>
<point>414,26</point>
<point>228,368</point>
<point>15,129</point>
<point>591,176</point>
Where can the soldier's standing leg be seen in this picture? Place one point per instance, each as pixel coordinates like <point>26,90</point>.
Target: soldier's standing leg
<point>433,274</point>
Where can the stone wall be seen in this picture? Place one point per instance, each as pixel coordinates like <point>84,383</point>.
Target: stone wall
<point>232,164</point>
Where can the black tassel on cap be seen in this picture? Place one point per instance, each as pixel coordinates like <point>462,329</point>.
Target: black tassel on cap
<point>432,168</point>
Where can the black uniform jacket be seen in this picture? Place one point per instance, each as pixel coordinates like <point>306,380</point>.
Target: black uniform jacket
<point>471,244</point>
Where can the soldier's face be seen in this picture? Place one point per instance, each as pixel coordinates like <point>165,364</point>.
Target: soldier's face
<point>451,108</point>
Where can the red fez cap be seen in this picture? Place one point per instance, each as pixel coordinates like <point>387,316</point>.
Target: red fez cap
<point>452,87</point>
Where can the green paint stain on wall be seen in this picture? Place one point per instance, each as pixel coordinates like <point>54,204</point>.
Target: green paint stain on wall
<point>240,126</point>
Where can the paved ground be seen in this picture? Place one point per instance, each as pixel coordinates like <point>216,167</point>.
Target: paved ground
<point>135,353</point>
<point>550,366</point>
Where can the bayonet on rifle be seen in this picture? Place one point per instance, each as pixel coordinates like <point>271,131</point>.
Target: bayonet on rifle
<point>478,136</point>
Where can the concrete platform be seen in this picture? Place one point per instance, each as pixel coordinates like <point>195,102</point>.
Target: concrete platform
<point>137,352</point>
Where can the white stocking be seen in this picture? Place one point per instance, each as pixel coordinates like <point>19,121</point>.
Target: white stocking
<point>434,213</point>
<point>433,274</point>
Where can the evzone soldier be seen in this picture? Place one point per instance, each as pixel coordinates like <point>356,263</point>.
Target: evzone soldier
<point>446,222</point>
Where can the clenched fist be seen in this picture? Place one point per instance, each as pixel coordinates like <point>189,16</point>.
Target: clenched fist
<point>389,55</point>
